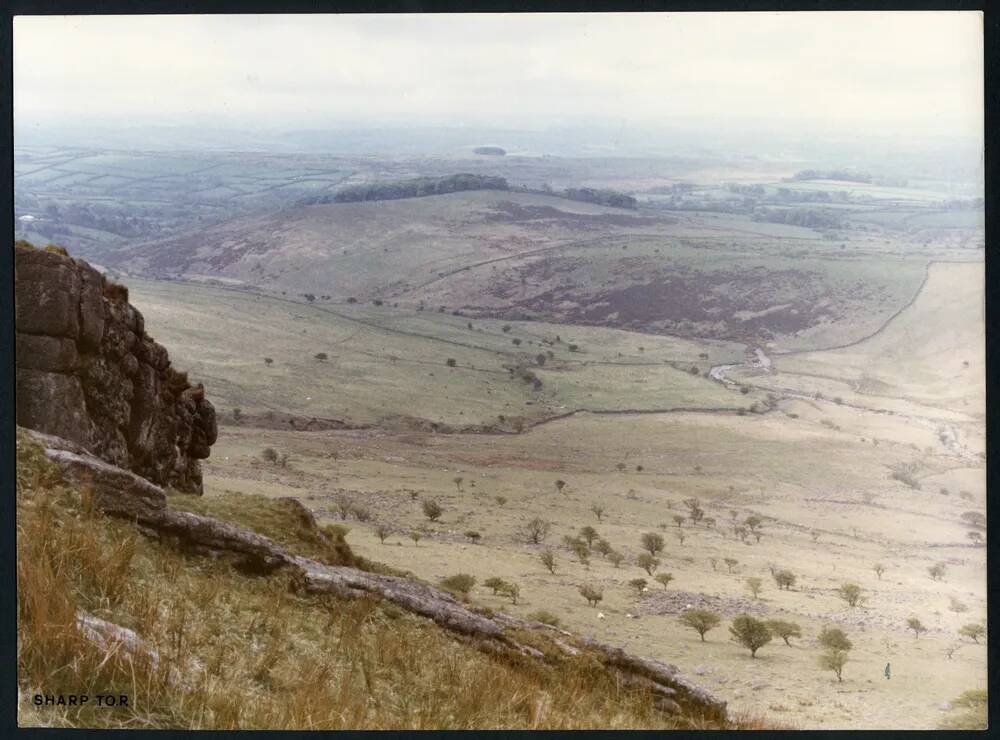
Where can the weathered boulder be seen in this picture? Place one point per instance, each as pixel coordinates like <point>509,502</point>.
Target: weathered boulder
<point>87,371</point>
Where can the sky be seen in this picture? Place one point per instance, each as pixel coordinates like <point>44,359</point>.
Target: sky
<point>882,73</point>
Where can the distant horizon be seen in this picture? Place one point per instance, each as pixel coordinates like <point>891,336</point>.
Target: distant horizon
<point>905,76</point>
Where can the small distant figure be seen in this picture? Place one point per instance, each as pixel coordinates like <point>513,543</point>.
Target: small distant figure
<point>888,671</point>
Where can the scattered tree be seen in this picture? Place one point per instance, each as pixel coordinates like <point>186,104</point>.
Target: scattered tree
<point>268,361</point>
<point>494,583</point>
<point>664,579</point>
<point>616,558</point>
<point>603,547</point>
<point>511,591</point>
<point>432,510</point>
<point>678,520</point>
<point>321,356</point>
<point>589,534</point>
<point>755,584</point>
<point>501,500</point>
<point>976,537</point>
<point>700,620</point>
<point>879,570</point>
<point>647,562</point>
<point>834,638</point>
<point>382,532</point>
<point>973,631</point>
<point>851,593</point>
<point>785,579</point>
<point>269,454</point>
<point>916,625</point>
<point>592,594</point>
<point>548,559</point>
<point>753,634</point>
<point>834,660</point>
<point>598,511</point>
<point>451,362</point>
<point>937,571</point>
<point>639,584</point>
<point>652,542</point>
<point>784,629</point>
<point>473,536</point>
<point>537,530</point>
<point>237,414</point>
<point>730,563</point>
<point>415,536</point>
<point>457,480</point>
<point>957,606</point>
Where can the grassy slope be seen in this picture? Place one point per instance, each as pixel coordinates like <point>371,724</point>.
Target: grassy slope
<point>384,361</point>
<point>251,654</point>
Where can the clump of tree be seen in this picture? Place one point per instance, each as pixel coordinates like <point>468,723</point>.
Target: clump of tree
<point>603,197</point>
<point>784,629</point>
<point>730,563</point>
<point>700,620</point>
<point>459,584</point>
<point>751,633</point>
<point>413,188</point>
<point>593,594</point>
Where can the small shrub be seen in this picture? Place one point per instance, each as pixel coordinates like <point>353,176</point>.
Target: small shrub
<point>937,571</point>
<point>545,618</point>
<point>639,584</point>
<point>460,584</point>
<point>501,500</point>
<point>451,362</point>
<point>269,454</point>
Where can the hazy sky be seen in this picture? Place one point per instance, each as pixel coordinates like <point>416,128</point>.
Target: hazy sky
<point>883,73</point>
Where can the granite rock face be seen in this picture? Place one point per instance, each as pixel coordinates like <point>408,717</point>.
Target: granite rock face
<point>88,372</point>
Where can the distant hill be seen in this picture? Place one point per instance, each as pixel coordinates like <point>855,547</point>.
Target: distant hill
<point>490,150</point>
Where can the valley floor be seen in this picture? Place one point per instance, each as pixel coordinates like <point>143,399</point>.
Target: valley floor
<point>867,455</point>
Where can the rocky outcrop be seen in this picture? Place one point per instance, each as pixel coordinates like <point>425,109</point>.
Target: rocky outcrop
<point>116,493</point>
<point>88,372</point>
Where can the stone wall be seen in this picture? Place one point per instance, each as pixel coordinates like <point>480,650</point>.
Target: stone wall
<point>88,372</point>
